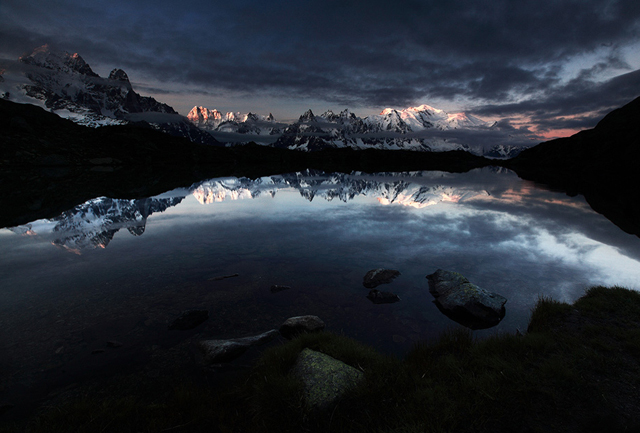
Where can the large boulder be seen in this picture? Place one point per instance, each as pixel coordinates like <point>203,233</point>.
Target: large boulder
<point>375,277</point>
<point>464,302</point>
<point>324,379</point>
<point>299,324</point>
<point>216,351</point>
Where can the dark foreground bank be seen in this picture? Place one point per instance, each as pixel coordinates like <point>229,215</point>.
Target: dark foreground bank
<point>576,369</point>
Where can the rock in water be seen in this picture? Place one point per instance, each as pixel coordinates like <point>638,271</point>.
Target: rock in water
<point>378,297</point>
<point>375,277</point>
<point>299,324</point>
<point>228,350</point>
<point>325,379</point>
<point>189,319</point>
<point>278,288</point>
<point>464,302</point>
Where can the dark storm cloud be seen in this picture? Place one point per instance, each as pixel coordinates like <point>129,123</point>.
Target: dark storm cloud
<point>372,54</point>
<point>581,103</point>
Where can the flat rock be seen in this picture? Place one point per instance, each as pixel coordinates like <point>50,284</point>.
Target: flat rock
<point>464,302</point>
<point>299,324</point>
<point>378,297</point>
<point>227,350</point>
<point>375,277</point>
<point>325,379</point>
<point>189,319</point>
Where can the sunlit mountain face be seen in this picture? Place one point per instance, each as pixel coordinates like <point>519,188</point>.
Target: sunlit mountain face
<point>391,129</point>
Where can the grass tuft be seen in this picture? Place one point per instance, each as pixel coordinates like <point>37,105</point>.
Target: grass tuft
<point>546,314</point>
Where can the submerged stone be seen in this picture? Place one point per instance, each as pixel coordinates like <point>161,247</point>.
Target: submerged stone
<point>375,277</point>
<point>299,324</point>
<point>189,319</point>
<point>378,297</point>
<point>278,288</point>
<point>464,302</point>
<point>324,379</point>
<point>227,350</point>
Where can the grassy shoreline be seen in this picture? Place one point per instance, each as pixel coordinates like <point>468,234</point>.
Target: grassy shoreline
<point>574,370</point>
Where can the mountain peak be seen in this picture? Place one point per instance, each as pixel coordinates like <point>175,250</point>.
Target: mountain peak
<point>45,57</point>
<point>308,116</point>
<point>424,107</point>
<point>346,113</point>
<point>388,111</point>
<point>119,75</point>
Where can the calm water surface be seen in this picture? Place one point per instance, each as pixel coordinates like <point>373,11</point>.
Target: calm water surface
<point>120,270</point>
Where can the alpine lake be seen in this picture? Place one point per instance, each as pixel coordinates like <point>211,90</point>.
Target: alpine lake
<point>92,292</point>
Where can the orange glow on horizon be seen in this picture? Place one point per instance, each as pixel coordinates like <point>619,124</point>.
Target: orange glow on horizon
<point>559,133</point>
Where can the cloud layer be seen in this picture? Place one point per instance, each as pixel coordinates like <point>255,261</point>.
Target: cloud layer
<point>561,64</point>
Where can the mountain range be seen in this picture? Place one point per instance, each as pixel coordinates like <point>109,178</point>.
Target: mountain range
<point>66,85</point>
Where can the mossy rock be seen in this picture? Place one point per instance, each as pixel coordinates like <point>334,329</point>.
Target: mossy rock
<point>325,379</point>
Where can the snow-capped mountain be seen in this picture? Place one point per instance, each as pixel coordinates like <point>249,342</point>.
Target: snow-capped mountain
<point>254,125</point>
<point>503,151</point>
<point>66,85</point>
<point>391,129</point>
<point>421,118</point>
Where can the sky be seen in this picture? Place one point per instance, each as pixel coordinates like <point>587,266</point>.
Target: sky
<point>546,67</point>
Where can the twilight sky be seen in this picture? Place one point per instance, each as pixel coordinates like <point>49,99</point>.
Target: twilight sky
<point>547,67</point>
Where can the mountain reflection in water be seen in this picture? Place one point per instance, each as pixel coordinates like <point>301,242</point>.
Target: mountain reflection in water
<point>94,223</point>
<point>314,232</point>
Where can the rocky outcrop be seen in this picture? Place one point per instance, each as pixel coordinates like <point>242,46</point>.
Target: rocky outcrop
<point>300,324</point>
<point>325,379</point>
<point>216,351</point>
<point>375,277</point>
<point>464,302</point>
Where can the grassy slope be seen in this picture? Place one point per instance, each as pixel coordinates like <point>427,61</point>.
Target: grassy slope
<point>575,370</point>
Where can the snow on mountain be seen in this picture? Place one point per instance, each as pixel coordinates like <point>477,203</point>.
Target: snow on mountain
<point>234,123</point>
<point>66,84</point>
<point>391,129</point>
<point>503,151</point>
<point>422,117</point>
